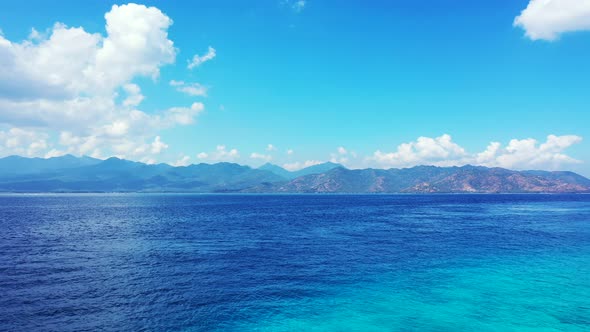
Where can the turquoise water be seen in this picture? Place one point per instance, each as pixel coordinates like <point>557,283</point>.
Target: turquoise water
<point>540,294</point>
<point>295,262</point>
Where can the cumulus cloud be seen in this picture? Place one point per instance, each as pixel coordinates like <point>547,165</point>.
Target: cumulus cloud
<point>134,96</point>
<point>260,156</point>
<point>71,61</point>
<point>528,153</point>
<point>127,137</point>
<point>425,150</point>
<point>200,59</point>
<point>22,142</point>
<point>290,152</point>
<point>300,165</point>
<point>518,154</point>
<point>180,115</point>
<point>191,89</point>
<point>342,156</point>
<point>221,153</point>
<point>66,82</point>
<point>158,146</point>
<point>54,153</point>
<point>548,19</point>
<point>123,147</point>
<point>184,161</point>
<point>264,157</point>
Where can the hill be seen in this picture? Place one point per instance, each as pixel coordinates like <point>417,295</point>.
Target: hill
<point>84,174</point>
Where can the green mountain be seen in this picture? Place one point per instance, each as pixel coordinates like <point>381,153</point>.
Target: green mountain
<point>14,165</point>
<point>430,179</point>
<point>72,174</point>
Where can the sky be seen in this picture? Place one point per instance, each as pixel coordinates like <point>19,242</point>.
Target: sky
<point>377,84</point>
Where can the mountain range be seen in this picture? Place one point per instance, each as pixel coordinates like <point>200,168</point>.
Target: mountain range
<point>85,174</point>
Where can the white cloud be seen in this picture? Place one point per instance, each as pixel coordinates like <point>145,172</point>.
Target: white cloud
<point>35,35</point>
<point>527,153</point>
<point>439,151</point>
<point>148,160</point>
<point>22,142</point>
<point>344,157</point>
<point>260,156</point>
<point>117,128</point>
<point>182,115</point>
<point>191,89</point>
<point>300,165</point>
<point>66,80</point>
<point>72,61</point>
<point>134,96</point>
<point>184,161</point>
<point>158,146</point>
<point>129,137</point>
<point>290,152</point>
<point>200,59</point>
<point>54,153</point>
<point>548,19</point>
<point>518,154</point>
<point>221,153</point>
<point>264,157</point>
<point>37,147</point>
<point>298,5</point>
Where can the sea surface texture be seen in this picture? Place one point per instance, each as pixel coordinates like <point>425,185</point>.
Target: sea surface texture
<point>294,262</point>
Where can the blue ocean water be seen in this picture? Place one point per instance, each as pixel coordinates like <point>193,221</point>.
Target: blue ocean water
<point>294,262</point>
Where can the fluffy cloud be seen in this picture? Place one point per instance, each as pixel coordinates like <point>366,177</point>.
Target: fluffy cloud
<point>342,156</point>
<point>260,156</point>
<point>134,96</point>
<point>548,19</point>
<point>191,89</point>
<point>527,153</point>
<point>300,165</point>
<point>518,154</point>
<point>67,82</point>
<point>122,147</point>
<point>54,153</point>
<point>22,142</point>
<point>221,153</point>
<point>72,61</point>
<point>264,157</point>
<point>425,150</point>
<point>180,115</point>
<point>200,59</point>
<point>158,146</point>
<point>183,161</point>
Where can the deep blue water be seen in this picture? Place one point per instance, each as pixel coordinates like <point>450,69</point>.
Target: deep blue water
<point>295,262</point>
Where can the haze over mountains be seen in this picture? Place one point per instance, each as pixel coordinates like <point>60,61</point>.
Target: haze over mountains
<point>85,174</point>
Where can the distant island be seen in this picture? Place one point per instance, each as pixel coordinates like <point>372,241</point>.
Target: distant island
<point>84,174</point>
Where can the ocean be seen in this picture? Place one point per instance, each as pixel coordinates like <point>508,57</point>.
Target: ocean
<point>168,262</point>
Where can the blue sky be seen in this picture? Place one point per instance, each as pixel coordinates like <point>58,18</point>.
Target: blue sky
<point>380,84</point>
